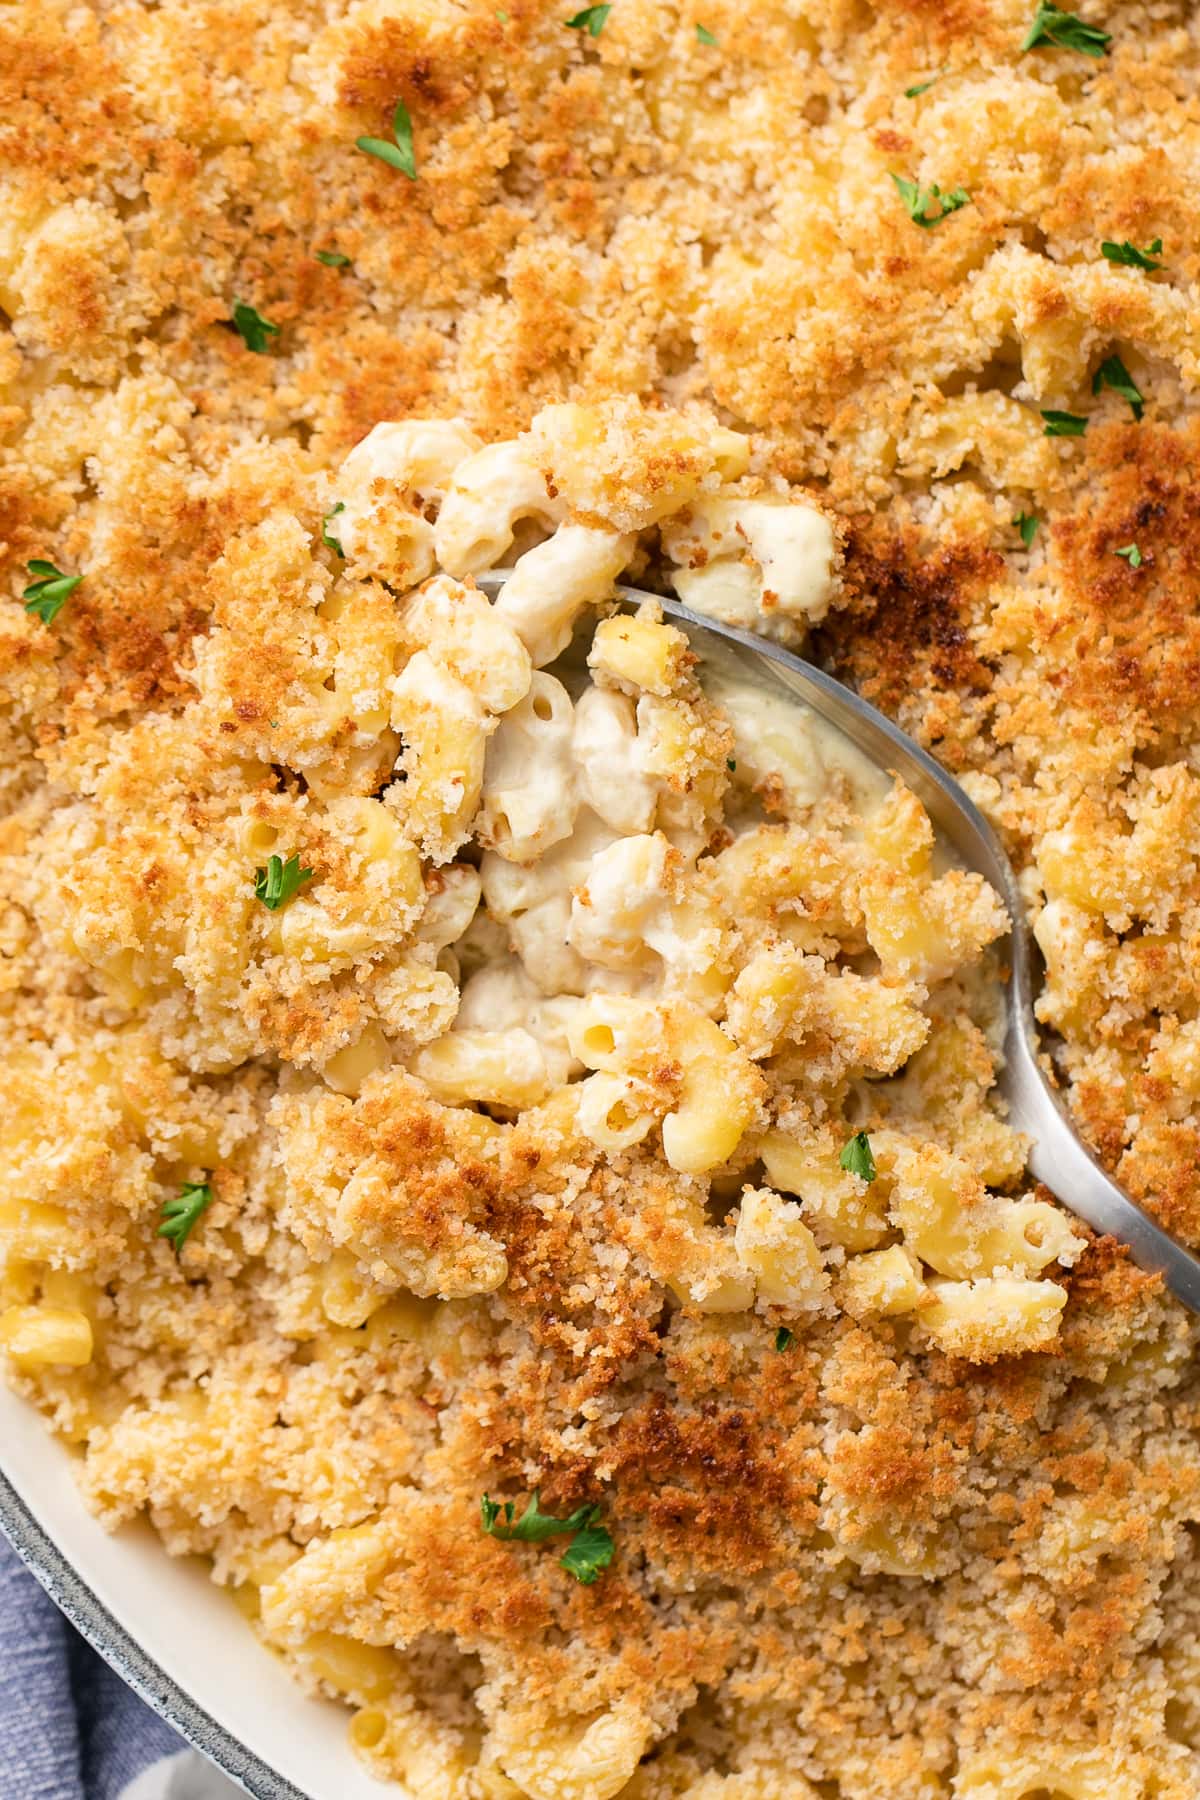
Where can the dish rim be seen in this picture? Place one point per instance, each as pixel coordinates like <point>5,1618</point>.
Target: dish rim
<point>53,1569</point>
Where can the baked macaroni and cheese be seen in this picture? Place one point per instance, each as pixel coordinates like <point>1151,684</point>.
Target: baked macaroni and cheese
<point>501,1147</point>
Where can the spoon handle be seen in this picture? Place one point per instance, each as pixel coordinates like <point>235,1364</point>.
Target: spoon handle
<point>1063,1162</point>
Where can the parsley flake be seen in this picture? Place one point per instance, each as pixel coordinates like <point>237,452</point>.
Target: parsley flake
<point>533,1524</point>
<point>1130,256</point>
<point>918,203</point>
<point>590,1549</point>
<point>280,881</point>
<point>255,331</point>
<point>856,1157</point>
<point>1027,524</point>
<point>327,537</point>
<point>179,1216</point>
<point>1063,424</point>
<point>1113,374</point>
<point>922,87</point>
<point>49,593</point>
<point>783,1339</point>
<point>1065,31</point>
<point>1132,555</point>
<point>401,154</point>
<point>704,35</point>
<point>592,19</point>
<point>333,259</point>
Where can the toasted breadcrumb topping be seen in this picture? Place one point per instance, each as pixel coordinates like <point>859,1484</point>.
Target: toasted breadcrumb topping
<point>888,1557</point>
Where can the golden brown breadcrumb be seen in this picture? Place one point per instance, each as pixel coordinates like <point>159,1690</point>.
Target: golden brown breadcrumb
<point>854,1567</point>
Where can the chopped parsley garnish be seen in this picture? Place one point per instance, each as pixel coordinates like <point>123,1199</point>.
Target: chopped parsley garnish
<point>705,35</point>
<point>1132,555</point>
<point>922,87</point>
<point>1063,424</point>
<point>918,202</point>
<point>783,1339</point>
<point>1027,524</point>
<point>280,881</point>
<point>47,595</point>
<point>1130,256</point>
<point>179,1216</point>
<point>1065,31</point>
<point>857,1158</point>
<point>401,154</point>
<point>589,1551</point>
<point>1113,374</point>
<point>592,20</point>
<point>327,537</point>
<point>591,1546</point>
<point>255,331</point>
<point>731,764</point>
<point>333,259</point>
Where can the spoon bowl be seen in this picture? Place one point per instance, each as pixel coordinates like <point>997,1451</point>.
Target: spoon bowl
<point>1057,1157</point>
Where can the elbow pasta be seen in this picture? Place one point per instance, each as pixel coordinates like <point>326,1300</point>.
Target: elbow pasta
<point>609,762</point>
<point>379,523</point>
<point>443,758</point>
<point>714,1086</point>
<point>760,564</point>
<point>780,1251</point>
<point>586,1761</point>
<point>552,583</point>
<point>540,1079</point>
<point>465,635</point>
<point>529,800</point>
<point>639,654</point>
<point>500,1068</point>
<point>489,495</point>
<point>34,1335</point>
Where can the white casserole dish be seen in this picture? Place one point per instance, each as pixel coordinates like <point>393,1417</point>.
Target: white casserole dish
<point>176,1638</point>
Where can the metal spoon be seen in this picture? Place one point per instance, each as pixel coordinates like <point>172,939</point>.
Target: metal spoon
<point>1057,1156</point>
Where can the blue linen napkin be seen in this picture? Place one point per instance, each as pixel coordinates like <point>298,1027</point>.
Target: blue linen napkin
<point>70,1729</point>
